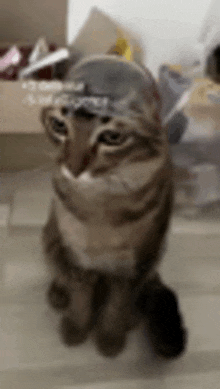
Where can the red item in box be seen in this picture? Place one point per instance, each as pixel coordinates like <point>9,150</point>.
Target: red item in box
<point>47,72</point>
<point>11,73</point>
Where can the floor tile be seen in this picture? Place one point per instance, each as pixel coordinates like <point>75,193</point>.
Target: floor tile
<point>122,384</point>
<point>193,245</point>
<point>35,179</point>
<point>191,264</point>
<point>80,377</point>
<point>30,339</point>
<point>4,214</point>
<point>20,247</point>
<point>192,275</point>
<point>3,235</point>
<point>202,318</point>
<point>22,274</point>
<point>30,207</point>
<point>184,226</point>
<point>195,381</point>
<point>23,262</point>
<point>8,184</point>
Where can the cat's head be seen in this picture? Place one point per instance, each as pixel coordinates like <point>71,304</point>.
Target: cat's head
<point>110,117</point>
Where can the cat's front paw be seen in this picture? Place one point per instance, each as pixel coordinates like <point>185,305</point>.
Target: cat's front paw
<point>110,345</point>
<point>164,323</point>
<point>71,334</point>
<point>58,296</point>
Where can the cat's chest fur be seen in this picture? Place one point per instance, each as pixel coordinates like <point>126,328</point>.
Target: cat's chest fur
<point>97,244</point>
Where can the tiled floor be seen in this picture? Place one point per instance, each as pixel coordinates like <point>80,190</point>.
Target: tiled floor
<point>31,354</point>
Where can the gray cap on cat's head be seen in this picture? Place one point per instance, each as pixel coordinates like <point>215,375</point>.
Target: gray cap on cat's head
<point>124,86</point>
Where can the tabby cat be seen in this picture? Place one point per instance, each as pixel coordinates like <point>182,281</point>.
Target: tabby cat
<point>112,202</point>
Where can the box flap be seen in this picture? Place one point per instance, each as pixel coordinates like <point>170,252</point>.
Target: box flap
<point>95,25</point>
<point>101,35</point>
<point>28,20</point>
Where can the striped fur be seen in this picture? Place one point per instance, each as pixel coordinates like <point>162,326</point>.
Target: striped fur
<point>110,212</point>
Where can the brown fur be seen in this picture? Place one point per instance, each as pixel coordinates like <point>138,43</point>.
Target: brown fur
<point>123,206</point>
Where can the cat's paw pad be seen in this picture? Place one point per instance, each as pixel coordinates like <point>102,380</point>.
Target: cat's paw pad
<point>71,334</point>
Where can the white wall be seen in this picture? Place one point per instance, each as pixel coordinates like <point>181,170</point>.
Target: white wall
<point>212,19</point>
<point>169,28</point>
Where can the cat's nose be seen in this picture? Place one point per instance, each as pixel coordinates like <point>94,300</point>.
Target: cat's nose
<point>105,119</point>
<point>79,157</point>
<point>80,162</point>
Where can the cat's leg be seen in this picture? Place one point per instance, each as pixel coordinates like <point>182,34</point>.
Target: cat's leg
<point>58,294</point>
<point>77,319</point>
<point>112,323</point>
<point>71,293</point>
<point>57,258</point>
<point>159,306</point>
<point>71,290</point>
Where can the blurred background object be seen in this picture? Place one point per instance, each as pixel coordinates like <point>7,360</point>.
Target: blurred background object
<point>169,30</point>
<point>172,85</point>
<point>180,48</point>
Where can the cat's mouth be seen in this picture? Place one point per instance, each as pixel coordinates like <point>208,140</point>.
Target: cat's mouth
<point>92,186</point>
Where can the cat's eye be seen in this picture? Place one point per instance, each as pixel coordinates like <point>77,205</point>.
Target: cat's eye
<point>112,138</point>
<point>65,111</point>
<point>105,119</point>
<point>58,126</point>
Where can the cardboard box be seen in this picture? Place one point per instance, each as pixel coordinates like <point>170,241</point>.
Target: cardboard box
<point>24,21</point>
<point>204,101</point>
<point>102,35</point>
<point>21,104</point>
<point>22,101</point>
<point>28,21</point>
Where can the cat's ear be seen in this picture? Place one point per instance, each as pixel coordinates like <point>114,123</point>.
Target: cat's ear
<point>55,124</point>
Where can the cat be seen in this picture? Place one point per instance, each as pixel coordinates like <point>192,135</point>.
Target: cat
<point>110,212</point>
